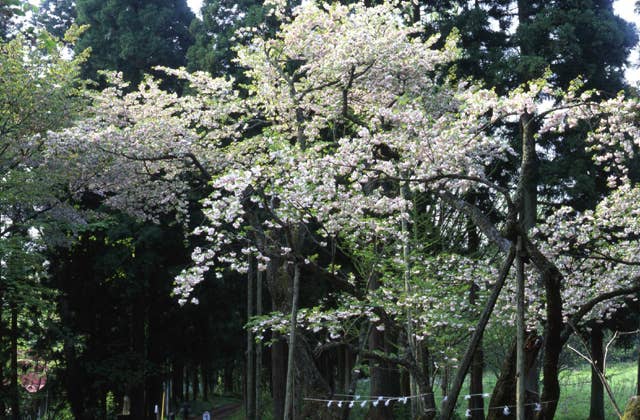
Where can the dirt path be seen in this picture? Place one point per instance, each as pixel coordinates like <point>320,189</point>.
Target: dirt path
<point>225,411</point>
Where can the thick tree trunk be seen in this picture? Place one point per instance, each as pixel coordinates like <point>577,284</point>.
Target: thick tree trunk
<point>176,379</point>
<point>205,381</point>
<point>355,374</point>
<point>289,389</point>
<point>309,381</point>
<point>138,338</point>
<point>429,398</point>
<point>72,374</point>
<point>520,333</point>
<point>448,406</point>
<point>258,374</point>
<point>505,389</point>
<point>155,376</point>
<point>228,379</point>
<point>278,377</point>
<point>596,410</point>
<point>195,383</point>
<point>250,370</point>
<point>552,345</point>
<point>379,373</point>
<point>186,384</point>
<point>504,392</point>
<point>476,402</point>
<point>381,378</point>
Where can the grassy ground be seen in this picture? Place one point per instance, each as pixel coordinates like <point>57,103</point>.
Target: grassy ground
<point>576,390</point>
<point>575,387</point>
<point>574,402</point>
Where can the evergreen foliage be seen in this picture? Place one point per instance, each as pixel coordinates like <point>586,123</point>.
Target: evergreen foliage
<point>57,16</point>
<point>351,156</point>
<point>134,36</point>
<point>215,34</point>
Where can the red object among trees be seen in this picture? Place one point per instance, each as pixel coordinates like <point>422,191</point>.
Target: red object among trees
<point>33,381</point>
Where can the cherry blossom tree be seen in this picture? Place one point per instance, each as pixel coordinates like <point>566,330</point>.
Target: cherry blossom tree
<point>346,122</point>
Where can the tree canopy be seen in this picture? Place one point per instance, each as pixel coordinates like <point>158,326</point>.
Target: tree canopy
<point>132,37</point>
<point>400,188</point>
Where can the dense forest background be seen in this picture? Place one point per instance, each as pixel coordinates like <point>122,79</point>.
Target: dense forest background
<point>94,324</point>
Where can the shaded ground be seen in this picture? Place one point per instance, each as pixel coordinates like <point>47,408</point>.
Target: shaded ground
<point>225,412</point>
<point>219,407</point>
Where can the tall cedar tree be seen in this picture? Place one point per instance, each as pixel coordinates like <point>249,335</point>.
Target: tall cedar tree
<point>215,34</point>
<point>56,16</point>
<point>571,38</point>
<point>133,36</point>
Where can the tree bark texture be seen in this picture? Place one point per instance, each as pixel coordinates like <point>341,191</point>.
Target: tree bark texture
<point>520,333</point>
<point>278,377</point>
<point>382,379</point>
<point>250,366</point>
<point>476,402</point>
<point>448,406</point>
<point>258,374</point>
<point>596,411</point>
<point>289,389</point>
<point>504,392</point>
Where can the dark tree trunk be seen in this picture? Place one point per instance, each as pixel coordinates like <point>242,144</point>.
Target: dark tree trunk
<point>138,321</point>
<point>250,353</point>
<point>476,402</point>
<point>290,394</point>
<point>73,377</point>
<point>340,386</point>
<point>381,378</point>
<point>177,375</point>
<point>449,406</point>
<point>258,374</point>
<point>278,349</point>
<point>195,383</point>
<point>552,347</point>
<point>278,377</point>
<point>308,379</point>
<point>596,411</point>
<point>185,380</point>
<point>155,376</point>
<point>205,380</point>
<point>384,377</point>
<point>311,383</point>
<point>429,399</point>
<point>504,392</point>
<point>228,379</point>
<point>405,383</point>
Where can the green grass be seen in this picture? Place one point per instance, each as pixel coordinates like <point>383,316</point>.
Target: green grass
<point>575,389</point>
<point>575,386</point>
